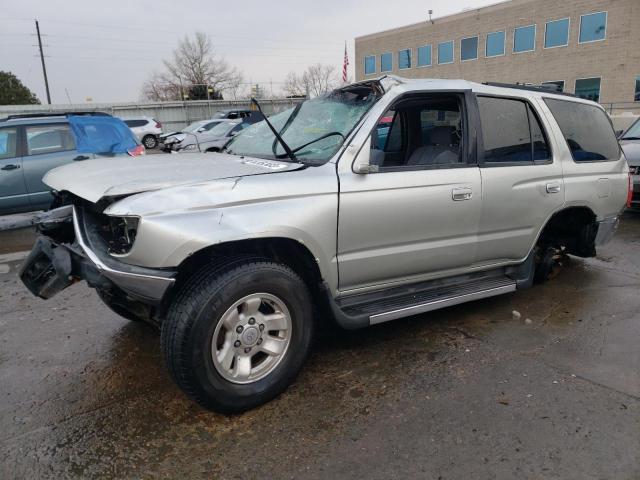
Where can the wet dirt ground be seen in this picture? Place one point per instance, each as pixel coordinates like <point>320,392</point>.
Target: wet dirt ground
<point>466,392</point>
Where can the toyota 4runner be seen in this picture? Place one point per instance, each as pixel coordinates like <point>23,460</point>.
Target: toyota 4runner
<point>380,200</point>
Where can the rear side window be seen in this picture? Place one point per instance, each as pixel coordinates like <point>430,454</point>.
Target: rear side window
<point>587,130</point>
<point>511,132</point>
<point>43,139</point>
<point>135,123</point>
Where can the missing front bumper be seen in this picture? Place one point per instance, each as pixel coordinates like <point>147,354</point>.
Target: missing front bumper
<point>52,266</point>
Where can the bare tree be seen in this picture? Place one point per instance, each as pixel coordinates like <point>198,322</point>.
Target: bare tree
<point>319,79</point>
<point>293,85</point>
<point>315,81</point>
<point>194,67</point>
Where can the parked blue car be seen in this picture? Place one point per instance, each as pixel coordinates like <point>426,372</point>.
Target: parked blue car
<point>31,145</point>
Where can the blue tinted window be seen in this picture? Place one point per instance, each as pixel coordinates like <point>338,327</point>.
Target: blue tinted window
<point>593,27</point>
<point>386,62</point>
<point>445,52</point>
<point>469,48</point>
<point>588,88</point>
<point>495,44</point>
<point>524,39</point>
<point>556,33</point>
<point>369,65</point>
<point>424,56</point>
<point>404,59</point>
<point>637,95</point>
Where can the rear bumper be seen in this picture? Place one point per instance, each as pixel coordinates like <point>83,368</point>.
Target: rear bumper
<point>52,266</point>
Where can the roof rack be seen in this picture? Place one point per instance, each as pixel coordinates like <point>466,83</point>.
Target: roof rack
<point>532,88</point>
<point>51,114</point>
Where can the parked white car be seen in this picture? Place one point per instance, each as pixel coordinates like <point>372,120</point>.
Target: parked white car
<point>146,129</point>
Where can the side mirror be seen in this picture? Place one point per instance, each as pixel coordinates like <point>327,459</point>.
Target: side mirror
<point>200,130</point>
<point>362,164</point>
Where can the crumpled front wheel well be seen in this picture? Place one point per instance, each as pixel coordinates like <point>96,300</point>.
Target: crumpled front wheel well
<point>282,250</point>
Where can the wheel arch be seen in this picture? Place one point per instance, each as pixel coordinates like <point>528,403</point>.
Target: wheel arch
<point>573,227</point>
<point>287,251</point>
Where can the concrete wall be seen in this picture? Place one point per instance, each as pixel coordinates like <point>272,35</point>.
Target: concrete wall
<point>616,59</point>
<point>172,115</point>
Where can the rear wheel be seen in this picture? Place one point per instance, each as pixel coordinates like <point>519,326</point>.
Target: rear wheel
<point>236,335</point>
<point>150,141</point>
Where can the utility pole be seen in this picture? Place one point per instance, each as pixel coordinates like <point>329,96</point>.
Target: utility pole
<point>44,68</point>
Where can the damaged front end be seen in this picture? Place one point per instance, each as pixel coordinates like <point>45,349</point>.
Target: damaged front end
<point>77,243</point>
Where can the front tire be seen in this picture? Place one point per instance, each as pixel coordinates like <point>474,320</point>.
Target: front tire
<point>150,142</point>
<point>237,335</point>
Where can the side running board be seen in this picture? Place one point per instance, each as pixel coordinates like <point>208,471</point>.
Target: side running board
<point>420,298</point>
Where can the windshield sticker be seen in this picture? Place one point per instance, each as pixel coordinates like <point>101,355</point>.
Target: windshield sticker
<point>266,164</point>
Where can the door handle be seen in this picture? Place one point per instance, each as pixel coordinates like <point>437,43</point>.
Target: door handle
<point>80,157</point>
<point>553,187</point>
<point>462,193</point>
<point>11,166</point>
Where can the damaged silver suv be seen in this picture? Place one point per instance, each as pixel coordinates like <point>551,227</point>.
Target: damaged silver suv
<point>380,200</point>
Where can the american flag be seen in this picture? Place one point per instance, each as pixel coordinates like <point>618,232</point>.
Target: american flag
<point>345,64</point>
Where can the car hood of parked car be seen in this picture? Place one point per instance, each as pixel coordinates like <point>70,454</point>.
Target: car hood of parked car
<point>93,180</point>
<point>631,150</point>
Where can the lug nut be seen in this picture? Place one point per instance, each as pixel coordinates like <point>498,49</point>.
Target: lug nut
<point>236,343</point>
<point>259,341</point>
<point>247,350</point>
<point>252,321</point>
<point>261,327</point>
<point>239,329</point>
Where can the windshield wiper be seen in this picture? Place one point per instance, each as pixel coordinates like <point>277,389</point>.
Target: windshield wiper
<point>630,138</point>
<point>290,154</point>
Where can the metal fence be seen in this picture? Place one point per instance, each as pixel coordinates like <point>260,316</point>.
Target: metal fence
<point>172,115</point>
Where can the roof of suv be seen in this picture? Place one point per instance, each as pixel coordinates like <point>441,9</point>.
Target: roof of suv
<point>503,89</point>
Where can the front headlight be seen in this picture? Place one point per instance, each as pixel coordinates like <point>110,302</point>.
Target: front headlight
<point>120,234</point>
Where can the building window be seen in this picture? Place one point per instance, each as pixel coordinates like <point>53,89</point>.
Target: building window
<point>386,62</point>
<point>469,48</point>
<point>495,44</point>
<point>556,33</point>
<point>445,52</point>
<point>555,86</point>
<point>593,27</point>
<point>404,59</point>
<point>524,39</point>
<point>424,56</point>
<point>588,88</point>
<point>636,97</point>
<point>369,65</point>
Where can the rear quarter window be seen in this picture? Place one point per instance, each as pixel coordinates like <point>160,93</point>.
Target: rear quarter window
<point>587,130</point>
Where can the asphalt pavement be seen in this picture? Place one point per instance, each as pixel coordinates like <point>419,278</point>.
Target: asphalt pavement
<point>473,391</point>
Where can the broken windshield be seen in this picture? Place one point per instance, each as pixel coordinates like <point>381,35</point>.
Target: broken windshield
<point>314,129</point>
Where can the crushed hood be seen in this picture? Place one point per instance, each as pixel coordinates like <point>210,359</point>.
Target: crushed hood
<point>120,176</point>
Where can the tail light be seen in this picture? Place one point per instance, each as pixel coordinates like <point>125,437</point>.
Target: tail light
<point>630,191</point>
<point>136,151</point>
<point>158,124</point>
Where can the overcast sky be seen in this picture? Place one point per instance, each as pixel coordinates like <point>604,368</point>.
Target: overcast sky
<point>106,49</point>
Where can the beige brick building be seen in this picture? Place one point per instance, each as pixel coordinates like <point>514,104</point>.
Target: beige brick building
<point>591,46</point>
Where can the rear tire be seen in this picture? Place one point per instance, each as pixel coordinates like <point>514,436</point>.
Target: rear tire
<point>150,142</point>
<point>202,331</point>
